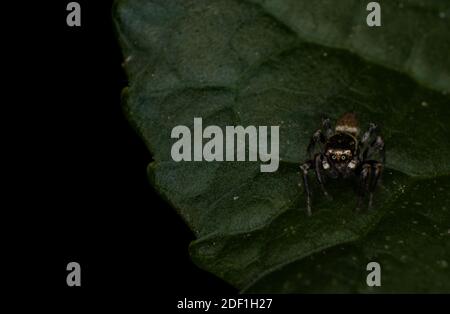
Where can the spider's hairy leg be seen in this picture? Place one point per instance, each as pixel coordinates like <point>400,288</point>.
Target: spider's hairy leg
<point>319,137</point>
<point>369,178</point>
<point>327,128</point>
<point>305,168</point>
<point>372,144</point>
<point>364,183</point>
<point>369,133</point>
<point>319,161</point>
<point>378,146</point>
<point>375,151</point>
<point>377,171</point>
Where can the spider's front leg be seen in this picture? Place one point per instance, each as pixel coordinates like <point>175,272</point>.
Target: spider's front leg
<point>372,144</point>
<point>373,128</point>
<point>305,168</point>
<point>363,184</point>
<point>319,138</point>
<point>372,155</point>
<point>318,164</point>
<point>369,177</point>
<point>327,128</point>
<point>377,171</point>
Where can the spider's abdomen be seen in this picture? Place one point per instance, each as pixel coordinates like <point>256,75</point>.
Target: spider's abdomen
<point>348,124</point>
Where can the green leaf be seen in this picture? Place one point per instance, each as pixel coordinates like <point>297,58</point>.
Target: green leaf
<point>289,63</point>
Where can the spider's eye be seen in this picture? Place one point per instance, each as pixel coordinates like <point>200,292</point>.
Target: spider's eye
<point>333,156</point>
<point>343,157</point>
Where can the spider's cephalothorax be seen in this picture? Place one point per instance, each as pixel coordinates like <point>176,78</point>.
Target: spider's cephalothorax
<point>342,153</point>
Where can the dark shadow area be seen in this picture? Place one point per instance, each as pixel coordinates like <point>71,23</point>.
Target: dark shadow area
<point>96,206</point>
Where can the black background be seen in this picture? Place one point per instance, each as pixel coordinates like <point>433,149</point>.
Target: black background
<point>92,201</point>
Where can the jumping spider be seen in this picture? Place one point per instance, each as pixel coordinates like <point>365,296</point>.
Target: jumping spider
<point>341,153</point>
